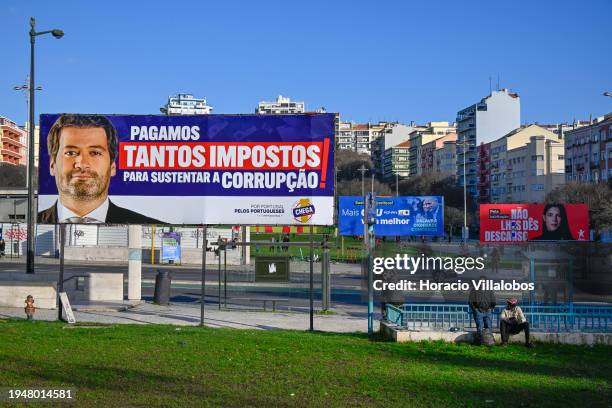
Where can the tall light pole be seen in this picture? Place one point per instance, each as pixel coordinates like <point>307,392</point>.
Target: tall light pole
<point>397,184</point>
<point>25,88</point>
<point>465,232</point>
<point>31,210</point>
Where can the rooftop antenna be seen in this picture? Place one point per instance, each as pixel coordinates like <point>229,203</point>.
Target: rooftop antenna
<point>498,82</point>
<point>490,89</point>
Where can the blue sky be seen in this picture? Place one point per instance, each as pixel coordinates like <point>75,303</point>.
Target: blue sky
<point>370,61</point>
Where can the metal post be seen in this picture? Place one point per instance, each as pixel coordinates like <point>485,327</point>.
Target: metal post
<point>366,263</point>
<point>31,219</point>
<point>397,184</point>
<point>203,287</point>
<point>225,275</point>
<point>325,278</point>
<point>464,233</point>
<point>60,280</point>
<point>311,281</point>
<point>219,271</point>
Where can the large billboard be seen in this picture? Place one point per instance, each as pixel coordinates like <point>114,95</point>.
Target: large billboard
<point>205,169</point>
<point>408,215</point>
<point>534,222</point>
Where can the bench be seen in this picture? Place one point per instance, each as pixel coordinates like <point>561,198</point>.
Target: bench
<point>264,300</point>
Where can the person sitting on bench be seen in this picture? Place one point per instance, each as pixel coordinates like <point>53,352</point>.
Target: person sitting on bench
<point>513,321</point>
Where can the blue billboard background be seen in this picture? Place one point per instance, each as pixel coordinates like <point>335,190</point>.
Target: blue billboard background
<point>409,215</point>
<point>212,128</point>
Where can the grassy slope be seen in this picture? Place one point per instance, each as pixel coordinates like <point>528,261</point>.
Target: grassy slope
<point>162,366</point>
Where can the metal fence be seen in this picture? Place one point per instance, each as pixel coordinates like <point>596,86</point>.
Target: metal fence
<point>560,318</point>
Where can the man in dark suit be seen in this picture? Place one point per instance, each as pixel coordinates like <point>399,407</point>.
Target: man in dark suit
<point>82,152</point>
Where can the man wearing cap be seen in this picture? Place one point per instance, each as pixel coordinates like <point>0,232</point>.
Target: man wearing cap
<point>513,321</point>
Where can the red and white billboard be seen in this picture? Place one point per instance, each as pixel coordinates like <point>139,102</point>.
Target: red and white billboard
<point>534,222</point>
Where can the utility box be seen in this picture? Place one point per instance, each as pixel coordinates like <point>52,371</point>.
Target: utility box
<point>271,269</point>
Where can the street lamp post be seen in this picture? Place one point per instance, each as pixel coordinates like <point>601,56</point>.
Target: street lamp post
<point>465,232</point>
<point>31,210</point>
<point>25,88</point>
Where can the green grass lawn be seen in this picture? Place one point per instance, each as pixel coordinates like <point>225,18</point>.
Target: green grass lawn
<point>148,366</point>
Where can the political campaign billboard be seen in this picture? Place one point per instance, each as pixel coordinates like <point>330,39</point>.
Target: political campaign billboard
<point>534,222</point>
<point>204,169</point>
<point>408,215</point>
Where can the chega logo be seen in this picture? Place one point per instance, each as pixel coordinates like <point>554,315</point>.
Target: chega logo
<point>303,210</point>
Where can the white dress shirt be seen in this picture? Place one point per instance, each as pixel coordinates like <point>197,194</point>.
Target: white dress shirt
<point>97,216</point>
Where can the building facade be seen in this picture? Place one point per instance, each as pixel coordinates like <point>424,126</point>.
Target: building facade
<point>483,161</point>
<point>446,159</point>
<point>588,152</point>
<point>525,165</point>
<point>358,137</point>
<point>392,135</point>
<point>282,105</point>
<point>397,161</point>
<point>428,160</point>
<point>422,135</point>
<point>13,143</point>
<point>491,118</point>
<point>186,104</point>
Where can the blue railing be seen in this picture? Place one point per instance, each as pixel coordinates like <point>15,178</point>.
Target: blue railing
<point>559,318</point>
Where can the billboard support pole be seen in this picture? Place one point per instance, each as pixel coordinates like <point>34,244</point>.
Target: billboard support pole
<point>225,276</point>
<point>219,272</point>
<point>366,265</point>
<point>311,281</point>
<point>203,295</point>
<point>60,279</point>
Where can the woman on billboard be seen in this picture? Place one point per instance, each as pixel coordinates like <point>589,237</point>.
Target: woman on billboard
<point>555,226</point>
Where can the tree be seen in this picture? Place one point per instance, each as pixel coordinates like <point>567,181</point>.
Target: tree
<point>597,196</point>
<point>12,176</point>
<point>348,164</point>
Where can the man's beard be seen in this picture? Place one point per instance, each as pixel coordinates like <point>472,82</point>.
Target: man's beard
<point>85,190</point>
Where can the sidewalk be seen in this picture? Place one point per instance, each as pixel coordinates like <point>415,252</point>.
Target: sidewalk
<point>189,315</point>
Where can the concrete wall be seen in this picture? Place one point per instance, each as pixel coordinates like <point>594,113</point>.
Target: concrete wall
<point>104,287</point>
<point>15,288</point>
<point>393,333</point>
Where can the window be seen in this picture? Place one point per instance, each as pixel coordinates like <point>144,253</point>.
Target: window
<point>560,157</point>
<point>537,187</point>
<point>537,157</point>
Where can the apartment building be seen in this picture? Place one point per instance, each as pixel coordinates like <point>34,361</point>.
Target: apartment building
<point>428,161</point>
<point>445,158</point>
<point>13,143</point>
<point>282,105</point>
<point>588,152</point>
<point>396,161</point>
<point>493,117</point>
<point>186,104</point>
<point>521,167</point>
<point>423,135</point>
<point>358,137</point>
<point>392,135</point>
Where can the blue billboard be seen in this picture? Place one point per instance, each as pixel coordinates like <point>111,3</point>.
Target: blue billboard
<point>202,169</point>
<point>409,215</point>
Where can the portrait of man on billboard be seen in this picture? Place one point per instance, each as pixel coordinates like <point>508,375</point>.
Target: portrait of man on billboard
<point>82,152</point>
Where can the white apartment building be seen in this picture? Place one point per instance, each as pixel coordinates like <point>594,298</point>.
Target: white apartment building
<point>358,137</point>
<point>525,165</point>
<point>423,135</point>
<point>282,105</point>
<point>493,117</point>
<point>186,104</point>
<point>392,135</point>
